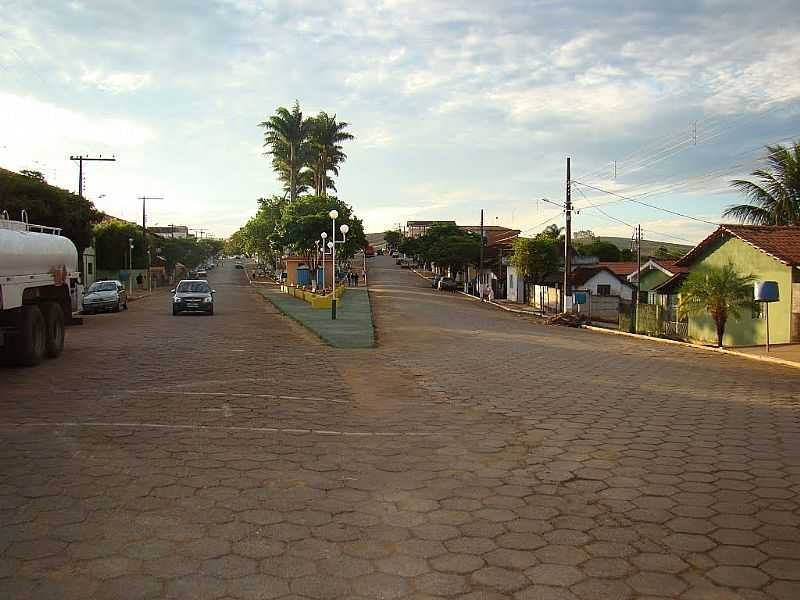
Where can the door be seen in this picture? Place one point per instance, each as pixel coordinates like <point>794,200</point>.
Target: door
<point>795,325</point>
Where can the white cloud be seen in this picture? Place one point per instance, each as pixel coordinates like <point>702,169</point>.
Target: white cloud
<point>115,82</point>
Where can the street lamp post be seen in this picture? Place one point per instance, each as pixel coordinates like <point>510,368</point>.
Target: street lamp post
<point>334,214</point>
<point>324,236</point>
<point>130,265</point>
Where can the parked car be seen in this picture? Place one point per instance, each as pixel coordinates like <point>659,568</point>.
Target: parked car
<point>395,254</point>
<point>193,295</point>
<point>105,296</point>
<point>239,265</point>
<point>202,275</point>
<point>435,281</point>
<point>380,251</point>
<point>448,284</point>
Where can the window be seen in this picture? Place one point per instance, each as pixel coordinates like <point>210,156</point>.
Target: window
<point>89,268</point>
<point>604,289</point>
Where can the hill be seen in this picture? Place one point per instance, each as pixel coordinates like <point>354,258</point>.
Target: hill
<point>375,239</point>
<point>48,205</point>
<point>649,247</point>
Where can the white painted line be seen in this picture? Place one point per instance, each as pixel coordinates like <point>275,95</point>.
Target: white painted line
<point>13,426</point>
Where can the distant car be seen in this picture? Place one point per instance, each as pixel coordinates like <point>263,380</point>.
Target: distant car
<point>239,266</point>
<point>202,275</point>
<point>193,295</point>
<point>380,251</point>
<point>435,281</point>
<point>395,254</point>
<point>105,296</point>
<point>448,284</point>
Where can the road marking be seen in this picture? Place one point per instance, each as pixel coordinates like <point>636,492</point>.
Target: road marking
<point>236,395</point>
<point>12,426</point>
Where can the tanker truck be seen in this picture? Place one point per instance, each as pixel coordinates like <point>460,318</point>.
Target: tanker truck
<point>39,287</point>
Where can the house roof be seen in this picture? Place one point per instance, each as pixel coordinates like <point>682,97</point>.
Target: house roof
<point>668,267</point>
<point>495,234</point>
<point>780,242</point>
<point>423,223</point>
<point>671,285</point>
<point>583,274</point>
<point>620,268</point>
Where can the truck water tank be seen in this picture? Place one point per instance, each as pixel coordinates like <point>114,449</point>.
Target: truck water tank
<point>29,253</point>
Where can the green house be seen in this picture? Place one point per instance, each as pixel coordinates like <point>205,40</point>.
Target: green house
<point>767,253</point>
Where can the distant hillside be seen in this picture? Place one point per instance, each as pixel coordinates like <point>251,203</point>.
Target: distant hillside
<point>48,205</point>
<point>375,239</point>
<point>648,246</point>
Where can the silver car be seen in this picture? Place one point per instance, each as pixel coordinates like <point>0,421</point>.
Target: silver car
<point>105,296</point>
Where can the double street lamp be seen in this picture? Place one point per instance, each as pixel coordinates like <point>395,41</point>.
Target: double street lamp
<point>344,228</point>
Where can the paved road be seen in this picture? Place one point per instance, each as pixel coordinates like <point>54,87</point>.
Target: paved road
<point>472,455</point>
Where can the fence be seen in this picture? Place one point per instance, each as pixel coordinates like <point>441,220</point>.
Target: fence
<point>654,320</point>
<point>543,298</point>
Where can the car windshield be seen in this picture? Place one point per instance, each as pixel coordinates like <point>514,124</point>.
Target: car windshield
<point>103,286</point>
<point>193,286</point>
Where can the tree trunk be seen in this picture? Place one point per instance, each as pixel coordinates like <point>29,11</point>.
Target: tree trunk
<point>719,321</point>
<point>292,187</point>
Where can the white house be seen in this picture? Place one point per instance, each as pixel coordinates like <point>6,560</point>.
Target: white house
<point>601,281</point>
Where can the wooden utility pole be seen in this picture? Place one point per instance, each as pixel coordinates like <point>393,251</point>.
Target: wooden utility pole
<point>80,158</point>
<point>567,240</point>
<point>480,268</point>
<point>635,304</point>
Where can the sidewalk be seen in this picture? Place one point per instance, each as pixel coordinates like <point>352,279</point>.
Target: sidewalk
<point>353,325</point>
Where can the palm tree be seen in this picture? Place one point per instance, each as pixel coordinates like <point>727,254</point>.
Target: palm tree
<point>286,133</point>
<point>552,231</point>
<point>326,136</point>
<point>775,200</point>
<point>718,291</point>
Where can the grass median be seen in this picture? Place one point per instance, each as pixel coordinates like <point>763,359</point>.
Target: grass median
<point>352,327</point>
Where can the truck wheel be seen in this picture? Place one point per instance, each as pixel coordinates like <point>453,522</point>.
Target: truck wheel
<point>30,339</point>
<point>54,326</point>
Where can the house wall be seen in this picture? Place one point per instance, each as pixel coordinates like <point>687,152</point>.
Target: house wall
<point>745,330</point>
<point>515,286</point>
<point>651,279</point>
<point>605,278</point>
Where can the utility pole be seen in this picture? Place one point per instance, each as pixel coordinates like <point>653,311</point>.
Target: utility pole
<point>145,249</point>
<point>567,240</point>
<point>480,269</point>
<point>635,304</point>
<point>80,158</point>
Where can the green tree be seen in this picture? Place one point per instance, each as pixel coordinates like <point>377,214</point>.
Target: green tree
<point>48,205</point>
<point>718,291</point>
<point>392,237</point>
<point>663,253</point>
<point>775,198</point>
<point>326,135</point>
<point>456,251</point>
<point>626,254</point>
<point>535,257</point>
<point>605,251</point>
<point>553,231</point>
<point>303,221</point>
<point>113,247</point>
<point>285,137</point>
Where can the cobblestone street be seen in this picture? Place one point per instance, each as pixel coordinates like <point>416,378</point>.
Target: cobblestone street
<point>472,455</point>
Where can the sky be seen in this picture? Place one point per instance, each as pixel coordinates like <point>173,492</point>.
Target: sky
<point>455,106</point>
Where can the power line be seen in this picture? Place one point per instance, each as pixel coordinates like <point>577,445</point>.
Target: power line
<point>672,212</point>
<point>601,210</point>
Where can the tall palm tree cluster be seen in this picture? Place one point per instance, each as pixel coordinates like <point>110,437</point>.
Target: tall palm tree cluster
<point>306,151</point>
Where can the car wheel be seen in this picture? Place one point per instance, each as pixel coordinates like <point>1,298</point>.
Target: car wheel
<point>174,311</point>
<point>30,340</point>
<point>211,312</point>
<point>116,307</point>
<point>54,326</point>
<point>125,306</point>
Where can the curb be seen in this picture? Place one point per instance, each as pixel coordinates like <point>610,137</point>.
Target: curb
<point>766,359</point>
